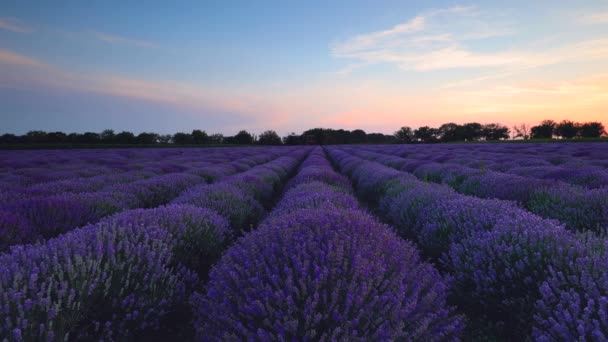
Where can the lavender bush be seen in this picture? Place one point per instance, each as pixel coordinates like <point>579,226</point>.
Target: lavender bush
<point>98,282</point>
<point>324,275</point>
<point>240,208</point>
<point>199,234</point>
<point>497,274</point>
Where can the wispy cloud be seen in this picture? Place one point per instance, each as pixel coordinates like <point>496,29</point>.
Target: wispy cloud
<point>13,58</point>
<point>114,39</point>
<point>19,72</point>
<point>14,25</point>
<point>432,40</point>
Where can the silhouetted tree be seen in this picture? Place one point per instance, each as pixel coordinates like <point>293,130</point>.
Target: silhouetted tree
<point>341,136</point>
<point>566,129</point>
<point>495,131</point>
<point>125,137</point>
<point>10,139</point>
<point>107,136</point>
<point>292,139</point>
<point>244,138</point>
<point>357,136</point>
<point>199,137</point>
<point>426,134</point>
<point>90,138</point>
<point>181,138</point>
<point>544,130</point>
<point>592,130</point>
<point>471,131</point>
<point>230,140</point>
<point>405,135</point>
<point>36,137</point>
<point>216,138</point>
<point>165,138</point>
<point>56,137</point>
<point>314,136</point>
<point>269,138</point>
<point>147,138</point>
<point>522,131</point>
<point>451,132</point>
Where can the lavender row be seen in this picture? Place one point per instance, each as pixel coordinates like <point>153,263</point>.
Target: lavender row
<point>321,268</point>
<point>501,157</point>
<point>50,166</point>
<point>582,166</point>
<point>243,198</point>
<point>33,218</point>
<point>578,208</point>
<point>515,274</point>
<point>75,287</point>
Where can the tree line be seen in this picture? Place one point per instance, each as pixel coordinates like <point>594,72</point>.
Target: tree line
<point>449,132</point>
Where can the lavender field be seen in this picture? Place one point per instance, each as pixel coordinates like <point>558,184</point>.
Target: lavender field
<point>438,242</point>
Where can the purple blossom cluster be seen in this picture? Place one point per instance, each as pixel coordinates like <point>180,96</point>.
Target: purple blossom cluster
<point>153,222</point>
<point>320,268</point>
<point>97,282</point>
<point>127,277</point>
<point>45,204</point>
<point>574,302</point>
<point>324,275</point>
<point>577,205</point>
<point>199,235</point>
<point>498,254</point>
<point>237,198</point>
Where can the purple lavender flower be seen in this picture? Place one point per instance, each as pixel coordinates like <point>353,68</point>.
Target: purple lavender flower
<point>200,235</point>
<point>91,275</point>
<point>240,208</point>
<point>574,302</point>
<point>319,274</point>
<point>497,274</point>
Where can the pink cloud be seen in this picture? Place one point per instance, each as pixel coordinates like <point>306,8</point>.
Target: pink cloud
<point>9,57</point>
<point>14,25</point>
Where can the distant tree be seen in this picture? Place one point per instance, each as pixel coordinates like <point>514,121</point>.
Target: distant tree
<point>147,138</point>
<point>90,138</point>
<point>269,138</point>
<point>357,136</point>
<point>522,131</point>
<point>125,137</point>
<point>314,136</point>
<point>451,132</point>
<point>471,131</point>
<point>181,138</point>
<point>57,137</point>
<point>165,138</point>
<point>107,136</point>
<point>230,140</point>
<point>592,130</point>
<point>426,134</point>
<point>292,139</point>
<point>199,137</point>
<point>10,139</point>
<point>405,135</point>
<point>244,138</point>
<point>494,131</point>
<point>567,129</point>
<point>36,137</point>
<point>379,138</point>
<point>341,136</point>
<point>216,138</point>
<point>543,131</point>
<point>74,138</point>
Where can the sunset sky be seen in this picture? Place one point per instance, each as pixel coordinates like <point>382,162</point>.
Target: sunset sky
<point>223,66</point>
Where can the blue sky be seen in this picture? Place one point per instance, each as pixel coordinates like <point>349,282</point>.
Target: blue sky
<point>287,66</point>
